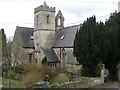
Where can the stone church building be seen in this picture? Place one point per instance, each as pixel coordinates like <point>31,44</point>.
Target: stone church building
<point>49,38</point>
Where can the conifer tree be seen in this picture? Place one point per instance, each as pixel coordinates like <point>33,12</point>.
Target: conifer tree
<point>96,42</point>
<point>113,33</point>
<point>3,44</point>
<point>87,48</point>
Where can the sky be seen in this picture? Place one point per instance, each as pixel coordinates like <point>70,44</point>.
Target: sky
<point>21,12</point>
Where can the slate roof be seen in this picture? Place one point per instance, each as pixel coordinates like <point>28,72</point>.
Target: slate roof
<point>26,34</point>
<point>65,37</point>
<point>50,55</point>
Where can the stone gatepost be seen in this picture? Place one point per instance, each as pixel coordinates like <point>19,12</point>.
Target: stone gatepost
<point>118,71</point>
<point>102,66</point>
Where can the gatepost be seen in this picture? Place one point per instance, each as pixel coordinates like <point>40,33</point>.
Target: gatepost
<point>102,66</point>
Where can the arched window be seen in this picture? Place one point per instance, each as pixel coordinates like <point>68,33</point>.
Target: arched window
<point>37,20</point>
<point>48,18</point>
<point>63,55</point>
<point>59,22</point>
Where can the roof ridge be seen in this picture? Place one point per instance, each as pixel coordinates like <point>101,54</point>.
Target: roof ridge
<point>24,27</point>
<point>71,26</point>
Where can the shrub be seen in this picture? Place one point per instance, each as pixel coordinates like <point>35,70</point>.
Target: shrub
<point>35,73</point>
<point>60,78</point>
<point>12,72</point>
<point>44,60</point>
<point>91,71</point>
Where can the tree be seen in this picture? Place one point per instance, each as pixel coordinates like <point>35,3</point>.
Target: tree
<point>3,44</point>
<point>87,48</point>
<point>96,42</point>
<point>113,37</point>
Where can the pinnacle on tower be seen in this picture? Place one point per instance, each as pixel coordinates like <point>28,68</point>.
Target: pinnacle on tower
<point>45,5</point>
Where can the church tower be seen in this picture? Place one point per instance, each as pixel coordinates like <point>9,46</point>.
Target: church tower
<point>44,29</point>
<point>119,6</point>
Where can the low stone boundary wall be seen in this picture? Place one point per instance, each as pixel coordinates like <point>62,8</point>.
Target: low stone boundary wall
<point>78,84</point>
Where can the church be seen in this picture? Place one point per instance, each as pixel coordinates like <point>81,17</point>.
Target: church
<point>48,39</point>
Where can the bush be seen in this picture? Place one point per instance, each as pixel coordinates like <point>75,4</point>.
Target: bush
<point>44,60</point>
<point>35,73</point>
<point>12,72</point>
<point>60,78</point>
<point>91,71</point>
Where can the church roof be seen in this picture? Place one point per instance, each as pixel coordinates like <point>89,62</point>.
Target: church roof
<point>50,55</point>
<point>65,37</point>
<point>26,36</point>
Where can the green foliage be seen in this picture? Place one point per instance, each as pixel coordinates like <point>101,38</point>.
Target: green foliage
<point>7,83</point>
<point>18,69</point>
<point>59,78</point>
<point>91,71</point>
<point>5,47</point>
<point>3,44</point>
<point>12,72</point>
<point>87,46</point>
<point>35,73</point>
<point>96,42</point>
<point>44,60</point>
<point>113,40</point>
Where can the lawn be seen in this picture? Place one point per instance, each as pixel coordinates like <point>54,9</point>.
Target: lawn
<point>60,78</point>
<point>6,83</point>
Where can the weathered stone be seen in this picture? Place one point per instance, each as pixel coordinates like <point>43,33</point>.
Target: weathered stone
<point>47,29</point>
<point>20,52</point>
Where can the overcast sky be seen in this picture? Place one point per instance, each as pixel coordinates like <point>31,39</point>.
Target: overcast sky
<point>21,12</point>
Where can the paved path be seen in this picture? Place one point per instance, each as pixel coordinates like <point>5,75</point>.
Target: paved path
<point>109,85</point>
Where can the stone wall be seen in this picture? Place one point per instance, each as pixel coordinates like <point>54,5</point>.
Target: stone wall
<point>45,40</point>
<point>70,59</point>
<point>79,84</point>
<point>74,69</point>
<point>18,53</point>
<point>16,46</point>
<point>40,20</point>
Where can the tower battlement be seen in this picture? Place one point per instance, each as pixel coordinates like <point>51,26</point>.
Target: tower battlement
<point>44,8</point>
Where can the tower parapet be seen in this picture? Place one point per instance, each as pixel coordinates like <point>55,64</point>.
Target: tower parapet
<point>44,8</point>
